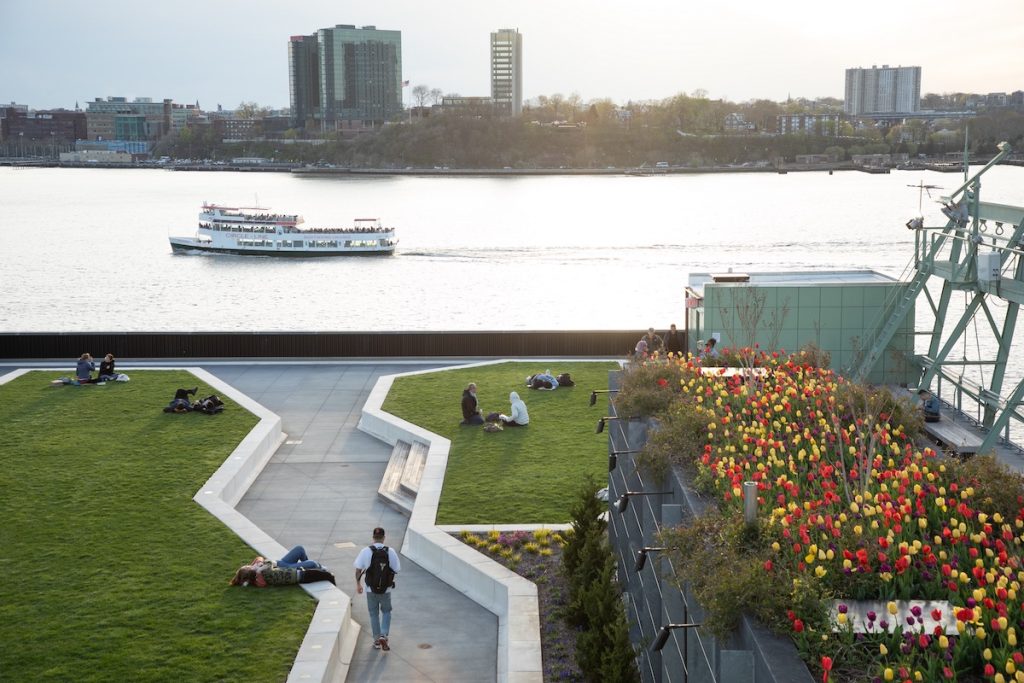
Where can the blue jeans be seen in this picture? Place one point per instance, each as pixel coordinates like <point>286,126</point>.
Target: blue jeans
<point>379,602</point>
<point>297,558</point>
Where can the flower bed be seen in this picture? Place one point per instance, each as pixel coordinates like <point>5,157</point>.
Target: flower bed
<point>849,508</point>
<point>537,556</point>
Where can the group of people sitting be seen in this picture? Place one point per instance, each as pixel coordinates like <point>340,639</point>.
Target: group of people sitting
<point>518,415</point>
<point>472,414</point>
<point>294,567</point>
<point>86,366</point>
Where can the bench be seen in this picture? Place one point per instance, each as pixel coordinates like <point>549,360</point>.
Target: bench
<point>954,436</point>
<point>401,480</point>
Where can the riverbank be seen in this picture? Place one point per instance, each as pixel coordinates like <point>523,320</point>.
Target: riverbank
<point>440,171</point>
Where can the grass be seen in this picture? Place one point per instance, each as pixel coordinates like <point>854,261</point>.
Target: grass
<point>520,475</point>
<point>113,572</point>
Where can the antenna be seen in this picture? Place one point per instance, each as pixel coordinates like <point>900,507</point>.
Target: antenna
<point>921,189</point>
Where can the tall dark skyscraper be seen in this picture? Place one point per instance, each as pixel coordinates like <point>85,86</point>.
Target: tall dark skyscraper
<point>304,80</point>
<point>346,77</point>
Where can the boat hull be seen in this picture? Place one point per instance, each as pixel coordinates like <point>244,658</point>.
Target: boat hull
<point>184,245</point>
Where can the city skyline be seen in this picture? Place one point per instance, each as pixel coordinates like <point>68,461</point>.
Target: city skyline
<point>216,53</point>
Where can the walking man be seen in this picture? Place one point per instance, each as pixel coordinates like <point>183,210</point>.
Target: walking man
<point>379,564</point>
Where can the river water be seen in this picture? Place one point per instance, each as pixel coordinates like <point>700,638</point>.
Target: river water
<point>87,250</point>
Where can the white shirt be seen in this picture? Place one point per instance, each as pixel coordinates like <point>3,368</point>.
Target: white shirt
<point>363,558</point>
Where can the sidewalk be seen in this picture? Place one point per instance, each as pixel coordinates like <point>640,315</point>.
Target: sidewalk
<point>320,491</point>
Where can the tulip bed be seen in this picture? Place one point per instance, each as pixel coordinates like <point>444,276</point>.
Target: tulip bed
<point>850,508</point>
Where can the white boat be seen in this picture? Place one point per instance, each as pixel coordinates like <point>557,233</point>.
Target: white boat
<point>255,231</point>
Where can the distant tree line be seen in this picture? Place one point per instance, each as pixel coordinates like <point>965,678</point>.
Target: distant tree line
<point>555,131</point>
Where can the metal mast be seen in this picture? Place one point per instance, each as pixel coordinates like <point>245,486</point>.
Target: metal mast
<point>979,251</point>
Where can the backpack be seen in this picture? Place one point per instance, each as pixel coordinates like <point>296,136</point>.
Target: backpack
<point>564,380</point>
<point>211,405</point>
<point>380,576</point>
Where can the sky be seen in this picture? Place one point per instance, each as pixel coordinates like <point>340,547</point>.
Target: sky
<point>54,53</point>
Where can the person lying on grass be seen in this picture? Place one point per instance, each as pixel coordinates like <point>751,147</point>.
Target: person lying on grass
<point>294,567</point>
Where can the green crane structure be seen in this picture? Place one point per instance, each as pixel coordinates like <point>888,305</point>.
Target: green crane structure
<point>980,251</point>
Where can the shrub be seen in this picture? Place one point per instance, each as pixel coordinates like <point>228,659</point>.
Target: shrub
<point>813,355</point>
<point>586,513</point>
<point>679,439</point>
<point>649,388</point>
<point>724,561</point>
<point>998,489</point>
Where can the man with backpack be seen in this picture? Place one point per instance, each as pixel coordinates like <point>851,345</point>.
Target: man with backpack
<point>379,564</point>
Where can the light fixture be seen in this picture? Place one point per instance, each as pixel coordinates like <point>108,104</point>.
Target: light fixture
<point>600,423</point>
<point>595,392</point>
<point>613,457</point>
<point>623,502</point>
<point>641,557</point>
<point>664,632</point>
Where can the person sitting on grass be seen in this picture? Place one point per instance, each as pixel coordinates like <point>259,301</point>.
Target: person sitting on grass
<point>85,368</point>
<point>294,567</point>
<point>519,417</point>
<point>929,405</point>
<point>471,407</point>
<point>107,372</point>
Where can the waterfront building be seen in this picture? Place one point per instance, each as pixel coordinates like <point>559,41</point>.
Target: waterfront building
<point>885,90</point>
<point>345,78</point>
<point>304,80</point>
<point>507,71</point>
<point>52,126</point>
<point>476,106</point>
<point>102,117</point>
<point>808,124</point>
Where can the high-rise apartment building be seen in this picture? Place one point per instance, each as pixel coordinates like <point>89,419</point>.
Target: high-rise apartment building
<point>304,80</point>
<point>345,77</point>
<point>885,90</point>
<point>507,71</point>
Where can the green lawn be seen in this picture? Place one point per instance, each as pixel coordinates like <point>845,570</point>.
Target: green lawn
<point>113,573</point>
<point>519,475</point>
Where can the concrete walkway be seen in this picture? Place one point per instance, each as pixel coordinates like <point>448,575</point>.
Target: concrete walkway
<point>320,491</point>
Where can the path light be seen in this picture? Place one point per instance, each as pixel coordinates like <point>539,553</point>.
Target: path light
<point>595,392</point>
<point>750,502</point>
<point>664,632</point>
<point>613,457</point>
<point>641,557</point>
<point>623,502</point>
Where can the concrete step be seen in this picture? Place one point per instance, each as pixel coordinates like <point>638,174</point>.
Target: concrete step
<point>390,490</point>
<point>413,470</point>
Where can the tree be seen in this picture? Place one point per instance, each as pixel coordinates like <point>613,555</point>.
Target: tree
<point>436,95</point>
<point>420,93</point>
<point>250,110</point>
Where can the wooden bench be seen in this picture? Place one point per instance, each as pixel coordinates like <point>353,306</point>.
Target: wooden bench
<point>954,436</point>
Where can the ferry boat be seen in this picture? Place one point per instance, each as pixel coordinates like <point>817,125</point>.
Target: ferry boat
<point>256,231</point>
